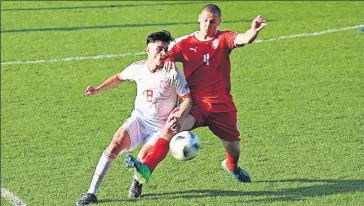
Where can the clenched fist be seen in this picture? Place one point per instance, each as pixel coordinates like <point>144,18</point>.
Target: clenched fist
<point>91,90</point>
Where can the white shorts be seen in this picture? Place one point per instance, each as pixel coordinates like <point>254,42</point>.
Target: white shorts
<point>140,131</point>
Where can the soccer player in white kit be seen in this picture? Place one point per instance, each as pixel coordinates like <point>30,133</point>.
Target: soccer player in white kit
<point>155,113</point>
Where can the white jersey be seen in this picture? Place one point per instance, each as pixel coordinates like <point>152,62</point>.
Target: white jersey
<point>156,91</point>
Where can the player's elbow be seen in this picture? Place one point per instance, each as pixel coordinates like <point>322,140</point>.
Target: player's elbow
<point>187,101</point>
<point>117,78</point>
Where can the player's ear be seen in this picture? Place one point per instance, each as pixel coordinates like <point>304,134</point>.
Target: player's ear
<point>218,22</point>
<point>198,19</point>
<point>147,49</point>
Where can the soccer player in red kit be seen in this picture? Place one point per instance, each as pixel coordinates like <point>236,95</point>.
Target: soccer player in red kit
<point>206,64</point>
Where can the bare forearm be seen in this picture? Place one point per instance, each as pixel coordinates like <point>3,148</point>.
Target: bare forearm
<point>249,36</point>
<point>185,108</point>
<point>246,38</point>
<point>111,82</point>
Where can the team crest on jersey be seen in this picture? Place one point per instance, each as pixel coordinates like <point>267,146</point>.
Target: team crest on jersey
<point>215,43</point>
<point>163,84</point>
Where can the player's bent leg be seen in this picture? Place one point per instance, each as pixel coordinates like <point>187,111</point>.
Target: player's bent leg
<point>143,170</point>
<point>231,162</point>
<point>150,156</point>
<point>155,155</point>
<point>120,141</point>
<point>224,125</point>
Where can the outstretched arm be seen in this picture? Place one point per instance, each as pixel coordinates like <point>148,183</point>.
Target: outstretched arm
<point>109,83</point>
<point>249,36</point>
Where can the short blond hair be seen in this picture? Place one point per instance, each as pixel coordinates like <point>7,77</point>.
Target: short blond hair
<point>212,8</point>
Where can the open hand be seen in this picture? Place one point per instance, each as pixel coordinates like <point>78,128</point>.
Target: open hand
<point>174,124</point>
<point>258,23</point>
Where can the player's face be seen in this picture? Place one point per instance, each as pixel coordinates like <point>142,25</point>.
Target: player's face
<point>208,23</point>
<point>157,52</point>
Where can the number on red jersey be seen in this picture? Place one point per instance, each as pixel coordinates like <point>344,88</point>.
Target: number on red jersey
<point>206,58</point>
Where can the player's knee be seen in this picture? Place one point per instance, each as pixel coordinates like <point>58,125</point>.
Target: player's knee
<point>188,123</point>
<point>121,139</point>
<point>144,152</point>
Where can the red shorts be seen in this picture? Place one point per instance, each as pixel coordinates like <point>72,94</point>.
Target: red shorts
<point>222,124</point>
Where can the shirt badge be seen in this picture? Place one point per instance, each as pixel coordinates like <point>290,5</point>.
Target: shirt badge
<point>215,43</point>
<point>163,84</point>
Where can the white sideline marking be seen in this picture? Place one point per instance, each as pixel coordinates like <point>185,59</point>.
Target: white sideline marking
<point>108,56</point>
<point>11,197</point>
<point>310,34</point>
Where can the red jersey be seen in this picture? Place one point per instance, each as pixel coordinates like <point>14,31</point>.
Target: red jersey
<point>206,66</point>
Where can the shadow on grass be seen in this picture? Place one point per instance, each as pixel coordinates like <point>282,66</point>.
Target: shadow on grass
<point>322,187</point>
<point>77,28</point>
<point>102,6</point>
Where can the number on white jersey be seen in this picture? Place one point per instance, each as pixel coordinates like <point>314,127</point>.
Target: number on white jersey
<point>149,95</point>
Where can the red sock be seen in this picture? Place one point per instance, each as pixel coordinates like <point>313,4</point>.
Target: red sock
<point>158,153</point>
<point>232,162</point>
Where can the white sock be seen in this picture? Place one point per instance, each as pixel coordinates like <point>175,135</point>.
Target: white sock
<point>100,171</point>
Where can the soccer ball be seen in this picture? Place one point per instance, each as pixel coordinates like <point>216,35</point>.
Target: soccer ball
<point>184,145</point>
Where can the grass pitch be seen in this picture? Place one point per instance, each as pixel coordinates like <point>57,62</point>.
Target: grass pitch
<point>300,103</point>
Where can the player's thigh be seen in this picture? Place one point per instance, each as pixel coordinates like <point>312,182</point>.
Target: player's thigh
<point>189,123</point>
<point>224,125</point>
<point>149,143</point>
<point>134,127</point>
<point>199,118</point>
<point>121,139</point>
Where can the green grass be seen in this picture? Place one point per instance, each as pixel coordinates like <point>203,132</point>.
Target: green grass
<point>300,103</point>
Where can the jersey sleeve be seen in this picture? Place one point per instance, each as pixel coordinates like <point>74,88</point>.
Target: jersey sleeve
<point>176,52</point>
<point>229,38</point>
<point>128,74</point>
<point>181,84</point>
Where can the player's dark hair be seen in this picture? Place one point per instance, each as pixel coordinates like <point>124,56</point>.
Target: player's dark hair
<point>212,8</point>
<point>163,36</point>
